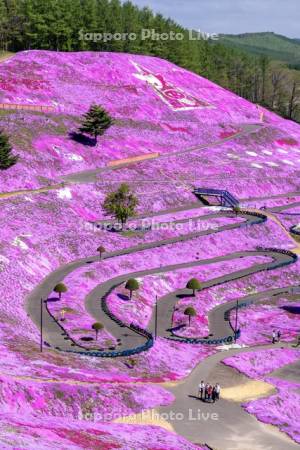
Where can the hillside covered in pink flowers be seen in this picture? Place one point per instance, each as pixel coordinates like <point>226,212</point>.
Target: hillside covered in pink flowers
<point>197,135</point>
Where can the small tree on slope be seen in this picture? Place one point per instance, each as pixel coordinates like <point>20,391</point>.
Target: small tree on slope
<point>6,158</point>
<point>95,122</point>
<point>190,312</point>
<point>193,284</point>
<point>121,204</point>
<point>132,285</point>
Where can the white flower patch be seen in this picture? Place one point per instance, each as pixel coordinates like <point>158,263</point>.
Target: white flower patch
<point>286,161</point>
<point>272,164</point>
<point>64,193</point>
<point>257,166</point>
<point>56,149</point>
<point>267,152</point>
<point>231,155</point>
<point>280,150</point>
<point>74,157</point>
<point>252,153</point>
<point>3,260</point>
<point>17,242</point>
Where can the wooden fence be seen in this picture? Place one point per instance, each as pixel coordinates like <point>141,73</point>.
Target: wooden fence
<point>39,108</point>
<point>134,159</point>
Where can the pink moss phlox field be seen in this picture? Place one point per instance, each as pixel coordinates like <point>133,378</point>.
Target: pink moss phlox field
<point>140,309</point>
<point>258,321</point>
<point>43,394</point>
<point>282,408</point>
<point>145,123</point>
<point>258,364</point>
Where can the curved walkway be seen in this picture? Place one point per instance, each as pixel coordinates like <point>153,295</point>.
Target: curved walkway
<point>234,429</point>
<point>54,332</point>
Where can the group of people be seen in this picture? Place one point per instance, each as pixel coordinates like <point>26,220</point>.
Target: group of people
<point>209,393</point>
<point>276,335</point>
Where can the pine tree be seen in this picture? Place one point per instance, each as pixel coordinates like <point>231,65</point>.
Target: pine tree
<point>6,158</point>
<point>96,121</point>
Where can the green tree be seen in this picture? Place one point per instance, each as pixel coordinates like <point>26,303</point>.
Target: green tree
<point>95,122</point>
<point>190,312</point>
<point>121,204</point>
<point>60,288</point>
<point>193,284</point>
<point>132,285</point>
<point>6,158</point>
<point>97,326</point>
<point>101,250</point>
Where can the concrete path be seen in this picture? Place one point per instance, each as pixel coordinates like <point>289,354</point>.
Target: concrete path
<point>234,428</point>
<point>53,332</point>
<point>90,176</point>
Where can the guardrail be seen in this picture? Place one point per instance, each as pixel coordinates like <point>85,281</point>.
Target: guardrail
<point>225,340</point>
<point>105,354</point>
<point>226,197</point>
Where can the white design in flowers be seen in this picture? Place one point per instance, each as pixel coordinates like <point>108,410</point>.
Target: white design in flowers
<point>176,98</point>
<point>286,161</point>
<point>272,164</point>
<point>65,193</point>
<point>251,153</point>
<point>231,155</point>
<point>267,152</point>
<point>257,166</point>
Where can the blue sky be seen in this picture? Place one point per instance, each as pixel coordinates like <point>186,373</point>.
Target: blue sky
<point>232,16</point>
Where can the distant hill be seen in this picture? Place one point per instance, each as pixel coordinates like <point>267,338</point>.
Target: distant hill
<point>273,45</point>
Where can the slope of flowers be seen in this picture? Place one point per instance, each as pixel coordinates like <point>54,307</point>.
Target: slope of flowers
<point>132,88</point>
<point>41,232</point>
<point>258,321</point>
<point>282,408</point>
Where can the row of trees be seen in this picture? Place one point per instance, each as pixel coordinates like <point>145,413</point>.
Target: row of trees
<point>133,285</point>
<point>61,24</point>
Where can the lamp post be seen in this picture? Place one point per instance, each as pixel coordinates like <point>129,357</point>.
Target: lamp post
<point>41,311</point>
<point>155,329</point>
<point>236,320</point>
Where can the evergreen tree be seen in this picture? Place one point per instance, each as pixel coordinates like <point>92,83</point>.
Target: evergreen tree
<point>96,121</point>
<point>6,158</point>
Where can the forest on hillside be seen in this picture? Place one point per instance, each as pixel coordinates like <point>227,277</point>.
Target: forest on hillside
<point>60,24</point>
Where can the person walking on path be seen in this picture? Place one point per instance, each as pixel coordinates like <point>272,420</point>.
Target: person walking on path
<point>217,389</point>
<point>214,394</point>
<point>201,391</point>
<point>273,337</point>
<point>278,335</point>
<point>206,392</point>
<point>209,393</point>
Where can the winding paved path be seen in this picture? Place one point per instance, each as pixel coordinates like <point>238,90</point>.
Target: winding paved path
<point>234,421</point>
<point>53,332</point>
<point>235,429</point>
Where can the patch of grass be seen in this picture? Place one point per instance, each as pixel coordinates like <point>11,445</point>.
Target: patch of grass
<point>130,233</point>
